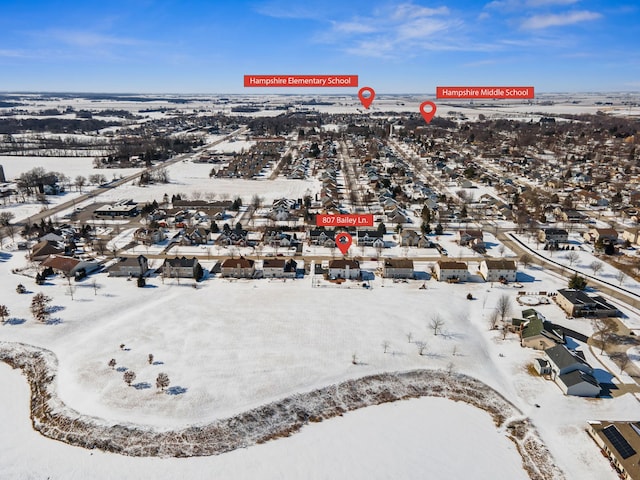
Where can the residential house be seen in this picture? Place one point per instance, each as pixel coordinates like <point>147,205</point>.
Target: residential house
<point>578,304</point>
<point>412,238</point>
<point>149,236</point>
<point>69,266</point>
<point>538,333</point>
<point>344,268</point>
<point>631,235</point>
<point>42,250</point>
<point>279,268</point>
<point>238,268</point>
<point>370,238</point>
<point>601,235</point>
<point>398,268</point>
<point>620,442</point>
<point>498,270</point>
<point>451,271</point>
<point>195,236</point>
<point>553,235</point>
<point>471,238</point>
<point>181,267</point>
<point>572,373</point>
<point>323,238</point>
<point>130,267</point>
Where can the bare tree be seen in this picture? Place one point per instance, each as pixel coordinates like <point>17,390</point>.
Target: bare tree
<point>436,323</point>
<point>80,182</point>
<point>71,290</point>
<point>422,346</point>
<point>501,250</point>
<point>96,286</point>
<point>504,306</point>
<point>505,331</point>
<point>129,376</point>
<point>603,331</point>
<point>162,381</point>
<point>525,259</point>
<point>4,312</point>
<point>112,363</point>
<point>5,218</point>
<point>409,337</point>
<point>572,257</point>
<point>622,359</point>
<point>620,276</point>
<point>385,345</point>
<point>493,319</point>
<point>595,266</point>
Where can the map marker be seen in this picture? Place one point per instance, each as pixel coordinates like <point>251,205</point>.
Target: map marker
<point>428,115</point>
<point>343,242</point>
<point>368,100</point>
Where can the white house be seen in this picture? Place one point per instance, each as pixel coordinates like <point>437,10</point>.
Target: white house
<point>498,270</point>
<point>343,268</point>
<point>451,271</point>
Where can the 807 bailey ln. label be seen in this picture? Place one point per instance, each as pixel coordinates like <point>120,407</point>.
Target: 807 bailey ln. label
<point>364,220</point>
<point>301,80</point>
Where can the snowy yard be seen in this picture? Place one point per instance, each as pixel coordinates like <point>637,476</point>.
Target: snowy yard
<point>232,346</point>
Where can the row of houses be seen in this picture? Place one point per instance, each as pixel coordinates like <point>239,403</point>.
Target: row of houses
<point>497,270</point>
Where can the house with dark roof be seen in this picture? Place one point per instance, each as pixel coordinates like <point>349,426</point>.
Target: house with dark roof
<point>238,268</point>
<point>537,332</point>
<point>472,238</point>
<point>130,267</point>
<point>553,235</point>
<point>344,268</point>
<point>398,268</point>
<point>578,304</point>
<point>572,373</point>
<point>279,268</point>
<point>370,238</point>
<point>620,443</point>
<point>180,267</point>
<point>322,238</point>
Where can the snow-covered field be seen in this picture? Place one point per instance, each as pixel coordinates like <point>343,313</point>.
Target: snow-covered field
<point>366,444</point>
<point>230,346</point>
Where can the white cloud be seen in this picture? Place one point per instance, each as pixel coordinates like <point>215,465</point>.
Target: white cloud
<point>90,39</point>
<point>546,3</point>
<point>411,11</point>
<point>353,27</point>
<point>556,20</point>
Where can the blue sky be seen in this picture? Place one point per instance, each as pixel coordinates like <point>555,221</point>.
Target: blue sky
<point>189,46</point>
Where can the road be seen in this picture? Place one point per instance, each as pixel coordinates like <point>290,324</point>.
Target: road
<point>621,294</point>
<point>100,190</point>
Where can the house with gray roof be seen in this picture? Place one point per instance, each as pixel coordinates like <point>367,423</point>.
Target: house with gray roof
<point>572,373</point>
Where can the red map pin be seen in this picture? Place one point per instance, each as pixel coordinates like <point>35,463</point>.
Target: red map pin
<point>368,100</point>
<point>428,110</point>
<point>343,242</point>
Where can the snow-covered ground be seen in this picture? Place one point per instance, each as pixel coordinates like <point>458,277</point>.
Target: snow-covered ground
<point>392,439</point>
<point>229,346</point>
